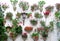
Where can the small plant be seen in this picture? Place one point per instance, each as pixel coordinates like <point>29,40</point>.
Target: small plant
<point>18,15</point>
<point>34,7</point>
<point>57,15</point>
<point>42,23</point>
<point>24,36</point>
<point>9,15</point>
<point>35,36</point>
<point>49,8</point>
<point>37,15</point>
<point>4,6</point>
<point>46,13</point>
<point>29,15</point>
<point>14,2</point>
<point>33,22</point>
<point>58,24</point>
<point>41,4</point>
<point>24,5</point>
<point>58,6</point>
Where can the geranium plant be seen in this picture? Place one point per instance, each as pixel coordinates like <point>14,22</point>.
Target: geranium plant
<point>9,15</point>
<point>49,8</point>
<point>58,6</point>
<point>41,4</point>
<point>18,15</point>
<point>4,6</point>
<point>14,2</point>
<point>24,36</point>
<point>34,7</point>
<point>33,22</point>
<point>38,15</point>
<point>35,36</point>
<point>57,15</point>
<point>24,5</point>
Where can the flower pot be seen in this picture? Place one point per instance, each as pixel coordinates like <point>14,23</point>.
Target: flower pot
<point>28,28</point>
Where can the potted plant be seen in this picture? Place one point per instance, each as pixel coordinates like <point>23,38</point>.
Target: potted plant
<point>4,6</point>
<point>14,2</point>
<point>24,36</point>
<point>13,34</point>
<point>8,28</point>
<point>24,5</point>
<point>42,23</point>
<point>9,15</point>
<point>41,4</point>
<point>34,7</point>
<point>57,15</point>
<point>58,6</point>
<point>33,22</point>
<point>44,31</point>
<point>49,8</point>
<point>29,14</point>
<point>37,15</point>
<point>18,15</point>
<point>3,36</point>
<point>28,28</point>
<point>35,36</point>
<point>18,30</point>
<point>46,13</point>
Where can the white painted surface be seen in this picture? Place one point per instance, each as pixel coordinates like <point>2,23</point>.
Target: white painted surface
<point>52,35</point>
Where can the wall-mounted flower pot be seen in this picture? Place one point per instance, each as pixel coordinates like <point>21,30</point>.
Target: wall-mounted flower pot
<point>49,8</point>
<point>41,4</point>
<point>24,5</point>
<point>4,6</point>
<point>33,22</point>
<point>34,7</point>
<point>46,13</point>
<point>24,36</point>
<point>58,6</point>
<point>37,15</point>
<point>28,28</point>
<point>57,15</point>
<point>18,15</point>
<point>9,15</point>
<point>35,36</point>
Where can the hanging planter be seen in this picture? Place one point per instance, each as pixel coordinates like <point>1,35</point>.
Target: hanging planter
<point>37,15</point>
<point>24,36</point>
<point>9,15</point>
<point>33,22</point>
<point>49,8</point>
<point>4,6</point>
<point>34,7</point>
<point>41,4</point>
<point>35,36</point>
<point>58,6</point>
<point>28,28</point>
<point>24,5</point>
<point>57,15</point>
